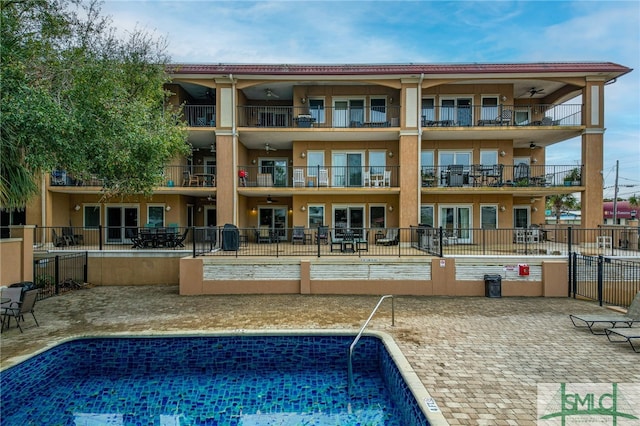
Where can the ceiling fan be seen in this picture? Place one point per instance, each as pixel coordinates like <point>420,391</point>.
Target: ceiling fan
<point>268,147</point>
<point>213,148</point>
<point>271,200</point>
<point>211,198</point>
<point>270,94</point>
<point>533,91</point>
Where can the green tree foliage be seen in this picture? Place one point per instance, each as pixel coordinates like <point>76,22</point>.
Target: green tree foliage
<point>76,97</point>
<point>559,203</point>
<point>634,201</point>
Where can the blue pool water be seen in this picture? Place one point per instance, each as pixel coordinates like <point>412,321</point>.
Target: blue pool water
<point>208,380</point>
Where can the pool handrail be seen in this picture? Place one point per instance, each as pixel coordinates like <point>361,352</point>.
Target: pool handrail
<point>351,383</point>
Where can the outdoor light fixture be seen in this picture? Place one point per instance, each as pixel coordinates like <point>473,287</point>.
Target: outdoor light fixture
<point>168,208</point>
<point>253,210</point>
<point>76,207</point>
<point>390,100</point>
<point>253,161</point>
<point>503,208</point>
<point>502,153</point>
<point>390,154</point>
<point>504,98</point>
<point>303,208</point>
<point>390,208</point>
<point>303,100</point>
<point>535,209</point>
<point>303,155</point>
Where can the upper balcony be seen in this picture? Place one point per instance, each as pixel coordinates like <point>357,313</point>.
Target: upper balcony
<point>200,115</point>
<point>324,117</point>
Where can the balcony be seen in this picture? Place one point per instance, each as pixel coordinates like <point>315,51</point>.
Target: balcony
<point>172,176</point>
<point>503,115</point>
<point>327,117</point>
<point>500,176</point>
<point>373,177</point>
<point>200,115</point>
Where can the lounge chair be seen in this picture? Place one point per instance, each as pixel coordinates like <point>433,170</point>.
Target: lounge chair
<point>621,335</point>
<point>322,235</point>
<point>609,320</point>
<point>390,239</point>
<point>179,241</point>
<point>59,241</point>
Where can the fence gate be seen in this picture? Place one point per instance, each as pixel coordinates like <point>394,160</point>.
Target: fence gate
<point>60,273</point>
<point>607,280</point>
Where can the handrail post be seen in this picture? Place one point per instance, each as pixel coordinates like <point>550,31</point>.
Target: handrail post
<point>351,383</point>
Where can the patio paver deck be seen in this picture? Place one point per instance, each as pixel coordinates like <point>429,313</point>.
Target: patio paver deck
<point>480,358</point>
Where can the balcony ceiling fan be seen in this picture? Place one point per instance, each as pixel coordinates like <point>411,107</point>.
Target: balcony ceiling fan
<point>533,91</point>
<point>270,94</point>
<point>271,200</point>
<point>268,147</point>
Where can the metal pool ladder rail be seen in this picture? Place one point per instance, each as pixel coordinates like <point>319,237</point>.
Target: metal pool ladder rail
<point>355,341</point>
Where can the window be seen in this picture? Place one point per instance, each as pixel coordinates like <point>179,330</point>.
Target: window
<point>448,158</point>
<point>377,162</point>
<point>489,217</point>
<point>155,215</point>
<point>378,110</point>
<point>426,215</point>
<point>428,108</point>
<point>456,111</point>
<point>315,161</point>
<point>316,216</point>
<point>91,216</point>
<point>377,217</point>
<point>316,109</point>
<point>489,108</point>
<point>488,158</point>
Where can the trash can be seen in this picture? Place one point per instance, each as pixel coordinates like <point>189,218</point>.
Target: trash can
<point>230,237</point>
<point>492,285</point>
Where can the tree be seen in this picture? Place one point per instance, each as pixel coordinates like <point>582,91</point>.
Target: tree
<point>76,97</point>
<point>634,201</point>
<point>559,203</point>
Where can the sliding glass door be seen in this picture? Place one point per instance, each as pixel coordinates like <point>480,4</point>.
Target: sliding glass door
<point>456,221</point>
<point>122,224</point>
<point>346,168</point>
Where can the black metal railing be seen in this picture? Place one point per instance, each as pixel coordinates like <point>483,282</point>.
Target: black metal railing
<point>326,117</point>
<point>500,175</point>
<point>547,240</point>
<point>502,115</point>
<point>607,280</point>
<point>59,273</point>
<point>172,176</point>
<point>79,238</point>
<point>319,177</point>
<point>200,115</point>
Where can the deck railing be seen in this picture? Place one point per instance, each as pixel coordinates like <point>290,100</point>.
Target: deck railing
<point>200,115</point>
<point>319,177</point>
<point>418,240</point>
<point>326,117</point>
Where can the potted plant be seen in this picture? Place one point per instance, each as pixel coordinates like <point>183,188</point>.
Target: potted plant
<point>573,177</point>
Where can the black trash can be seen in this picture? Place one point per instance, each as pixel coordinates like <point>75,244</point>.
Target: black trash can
<point>492,285</point>
<point>230,237</point>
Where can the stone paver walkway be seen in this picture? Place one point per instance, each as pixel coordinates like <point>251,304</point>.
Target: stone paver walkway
<point>480,358</point>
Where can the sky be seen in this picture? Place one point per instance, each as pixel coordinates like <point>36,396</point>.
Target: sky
<point>401,32</point>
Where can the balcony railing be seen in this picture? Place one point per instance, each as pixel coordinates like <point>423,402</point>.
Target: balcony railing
<point>503,115</point>
<point>388,116</point>
<point>200,115</point>
<point>499,175</point>
<point>203,176</point>
<point>319,177</point>
<point>326,117</point>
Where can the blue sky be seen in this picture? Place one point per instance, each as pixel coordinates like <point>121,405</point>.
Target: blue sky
<point>420,32</point>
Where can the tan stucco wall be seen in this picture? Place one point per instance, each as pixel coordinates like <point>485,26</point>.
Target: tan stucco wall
<point>126,268</point>
<point>10,261</point>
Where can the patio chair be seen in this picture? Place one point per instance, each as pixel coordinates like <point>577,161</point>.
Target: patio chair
<point>387,178</point>
<point>179,241</point>
<point>18,309</point>
<point>322,235</point>
<point>621,335</point>
<point>610,320</point>
<point>298,177</point>
<point>13,296</point>
<point>323,177</point>
<point>390,239</point>
<point>190,179</point>
<point>59,240</point>
<point>298,235</point>
<point>366,178</point>
<point>264,235</point>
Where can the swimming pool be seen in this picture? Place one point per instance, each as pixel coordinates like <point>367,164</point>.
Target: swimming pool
<point>248,379</point>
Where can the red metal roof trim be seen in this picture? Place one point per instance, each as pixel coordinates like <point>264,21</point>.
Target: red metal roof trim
<point>354,69</point>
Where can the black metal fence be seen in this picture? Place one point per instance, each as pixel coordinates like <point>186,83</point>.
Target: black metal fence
<point>55,274</point>
<point>607,280</point>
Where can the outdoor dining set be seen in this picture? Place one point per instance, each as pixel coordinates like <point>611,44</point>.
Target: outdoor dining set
<point>158,237</point>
